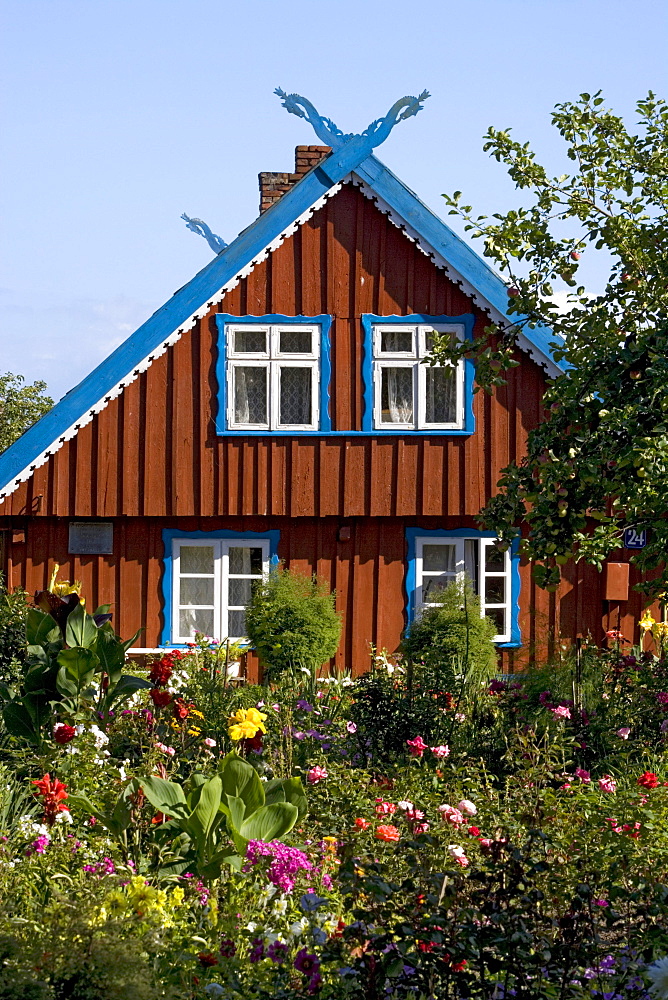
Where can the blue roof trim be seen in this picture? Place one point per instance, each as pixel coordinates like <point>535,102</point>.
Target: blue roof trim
<point>249,244</point>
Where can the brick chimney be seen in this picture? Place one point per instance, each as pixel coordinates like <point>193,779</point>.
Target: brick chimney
<point>273,186</point>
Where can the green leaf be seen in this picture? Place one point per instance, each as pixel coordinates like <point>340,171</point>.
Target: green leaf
<point>270,822</point>
<point>18,722</point>
<point>39,628</point>
<point>166,796</point>
<point>77,669</point>
<point>294,793</point>
<point>206,810</point>
<point>81,629</point>
<point>239,778</point>
<point>127,685</point>
<point>236,811</point>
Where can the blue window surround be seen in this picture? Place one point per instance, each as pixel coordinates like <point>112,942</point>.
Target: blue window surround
<point>168,534</point>
<point>413,533</point>
<point>368,322</point>
<point>324,322</point>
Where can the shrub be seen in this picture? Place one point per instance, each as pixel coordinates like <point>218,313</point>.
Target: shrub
<point>13,613</point>
<point>292,622</point>
<point>452,636</point>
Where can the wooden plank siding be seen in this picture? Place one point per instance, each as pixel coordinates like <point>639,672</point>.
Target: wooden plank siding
<point>151,459</point>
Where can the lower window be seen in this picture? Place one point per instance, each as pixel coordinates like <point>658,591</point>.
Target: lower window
<point>212,581</point>
<point>443,558</point>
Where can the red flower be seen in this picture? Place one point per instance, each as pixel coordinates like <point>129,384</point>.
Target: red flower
<point>362,824</point>
<point>648,780</point>
<point>161,671</point>
<point>180,709</point>
<point>63,733</point>
<point>206,959</point>
<point>459,966</point>
<point>160,698</point>
<point>474,831</point>
<point>52,793</point>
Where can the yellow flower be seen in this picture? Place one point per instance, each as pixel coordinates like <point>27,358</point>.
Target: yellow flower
<point>245,723</point>
<point>662,629</point>
<point>330,843</point>
<point>646,622</point>
<point>194,711</point>
<point>176,897</point>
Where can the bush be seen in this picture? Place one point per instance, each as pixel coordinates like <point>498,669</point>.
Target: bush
<point>453,637</point>
<point>13,613</point>
<point>292,622</point>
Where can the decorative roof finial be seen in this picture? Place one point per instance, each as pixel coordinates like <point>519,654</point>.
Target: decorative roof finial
<point>200,227</point>
<point>330,134</point>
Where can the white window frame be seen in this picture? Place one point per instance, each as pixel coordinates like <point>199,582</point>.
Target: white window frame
<point>459,544</point>
<point>273,359</point>
<point>221,577</point>
<point>414,359</point>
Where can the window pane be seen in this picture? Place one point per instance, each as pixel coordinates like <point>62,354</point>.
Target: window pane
<point>196,558</point>
<point>431,584</point>
<point>191,621</point>
<point>471,550</point>
<point>246,560</point>
<point>236,623</point>
<point>240,593</point>
<point>393,341</point>
<point>439,558</point>
<point>396,395</point>
<point>196,591</point>
<point>495,561</point>
<point>250,395</point>
<point>250,341</point>
<point>295,395</point>
<point>296,341</point>
<point>498,616</point>
<point>495,590</point>
<point>441,399</point>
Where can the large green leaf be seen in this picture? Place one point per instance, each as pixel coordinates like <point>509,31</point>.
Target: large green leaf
<point>81,629</point>
<point>166,796</point>
<point>127,685</point>
<point>18,722</point>
<point>242,780</point>
<point>236,811</point>
<point>77,669</point>
<point>39,627</point>
<point>270,822</point>
<point>110,651</point>
<point>287,790</point>
<point>206,810</point>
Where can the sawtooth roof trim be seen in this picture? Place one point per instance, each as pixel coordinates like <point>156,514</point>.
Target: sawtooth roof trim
<point>192,302</point>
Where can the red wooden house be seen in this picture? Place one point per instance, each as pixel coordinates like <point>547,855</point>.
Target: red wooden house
<point>276,407</point>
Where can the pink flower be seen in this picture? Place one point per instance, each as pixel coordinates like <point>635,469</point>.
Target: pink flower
<point>664,726</point>
<point>601,902</point>
<point>417,746</point>
<point>316,774</point>
<point>420,828</point>
<point>607,783</point>
<point>561,712</point>
<point>460,717</point>
<point>662,697</point>
<point>583,775</point>
<point>441,752</point>
<point>385,808</point>
<point>466,806</point>
<point>457,853</point>
<point>451,815</point>
<point>623,733</point>
<point>208,742</point>
<point>170,751</point>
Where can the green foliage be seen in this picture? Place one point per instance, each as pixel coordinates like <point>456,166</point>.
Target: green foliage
<point>20,407</point>
<point>453,637</point>
<point>599,462</point>
<point>66,649</point>
<point>292,622</point>
<point>13,613</point>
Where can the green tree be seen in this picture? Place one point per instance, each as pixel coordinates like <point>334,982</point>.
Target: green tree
<point>599,461</point>
<point>20,407</point>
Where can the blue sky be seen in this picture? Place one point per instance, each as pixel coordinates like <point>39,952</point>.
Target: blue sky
<point>119,115</point>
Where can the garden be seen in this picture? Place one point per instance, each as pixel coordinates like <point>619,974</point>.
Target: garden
<point>427,830</point>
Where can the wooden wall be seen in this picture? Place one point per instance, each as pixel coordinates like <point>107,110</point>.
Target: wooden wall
<point>151,458</point>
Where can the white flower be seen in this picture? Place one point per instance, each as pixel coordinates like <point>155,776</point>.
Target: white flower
<point>405,805</point>
<point>280,907</point>
<point>658,973</point>
<point>71,750</point>
<point>101,739</point>
<point>251,926</point>
<point>122,773</point>
<point>456,851</point>
<point>64,817</point>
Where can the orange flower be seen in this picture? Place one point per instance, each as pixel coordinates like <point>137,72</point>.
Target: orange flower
<point>388,833</point>
<point>362,824</point>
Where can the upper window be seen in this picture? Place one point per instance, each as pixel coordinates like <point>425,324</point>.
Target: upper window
<point>443,558</point>
<point>210,582</point>
<point>274,374</point>
<point>409,394</point>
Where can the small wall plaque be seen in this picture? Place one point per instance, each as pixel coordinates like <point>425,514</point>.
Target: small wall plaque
<point>91,538</point>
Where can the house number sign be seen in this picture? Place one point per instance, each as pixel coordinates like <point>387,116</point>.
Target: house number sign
<point>634,539</point>
<point>91,538</point>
